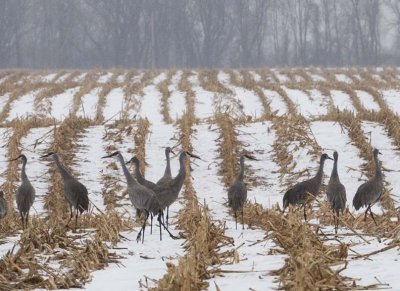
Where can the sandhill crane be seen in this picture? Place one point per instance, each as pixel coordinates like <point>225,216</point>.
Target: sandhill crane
<point>75,192</point>
<point>237,193</point>
<point>167,173</point>
<point>303,191</point>
<point>3,205</point>
<point>336,192</point>
<point>25,193</point>
<point>139,177</point>
<point>141,197</point>
<point>168,192</point>
<point>371,191</point>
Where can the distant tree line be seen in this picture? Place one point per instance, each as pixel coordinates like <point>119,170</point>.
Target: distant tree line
<point>198,33</point>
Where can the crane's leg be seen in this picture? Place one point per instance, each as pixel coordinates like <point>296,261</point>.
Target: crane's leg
<point>159,221</point>
<point>366,212</point>
<point>151,223</point>
<point>143,228</point>
<point>242,219</point>
<point>170,234</point>
<point>236,219</point>
<point>305,214</point>
<point>22,220</point>
<point>70,217</point>
<point>372,215</point>
<point>76,218</point>
<point>336,220</point>
<point>27,219</point>
<point>167,215</point>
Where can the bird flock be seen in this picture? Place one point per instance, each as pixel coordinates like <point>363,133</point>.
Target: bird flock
<point>152,199</point>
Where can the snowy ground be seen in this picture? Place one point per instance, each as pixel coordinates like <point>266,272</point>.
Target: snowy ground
<point>143,263</point>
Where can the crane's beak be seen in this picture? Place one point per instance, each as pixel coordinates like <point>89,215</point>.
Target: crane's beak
<point>250,157</point>
<point>193,155</point>
<point>128,162</point>
<point>47,155</point>
<point>15,158</point>
<point>328,157</point>
<point>109,156</point>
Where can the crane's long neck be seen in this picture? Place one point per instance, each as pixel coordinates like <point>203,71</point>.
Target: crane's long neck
<point>24,177</point>
<point>334,170</point>
<point>240,176</point>
<point>128,176</point>
<point>320,172</point>
<point>167,171</point>
<point>138,174</point>
<point>182,171</point>
<point>64,173</point>
<point>378,172</point>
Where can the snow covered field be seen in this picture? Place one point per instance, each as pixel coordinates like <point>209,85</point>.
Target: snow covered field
<point>257,255</point>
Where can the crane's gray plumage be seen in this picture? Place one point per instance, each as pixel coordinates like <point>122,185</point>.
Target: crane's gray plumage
<point>140,178</point>
<point>336,192</point>
<point>138,174</point>
<point>303,191</point>
<point>167,173</point>
<point>168,192</point>
<point>25,193</point>
<point>3,205</point>
<point>141,197</point>
<point>371,191</point>
<point>75,192</point>
<point>237,192</point>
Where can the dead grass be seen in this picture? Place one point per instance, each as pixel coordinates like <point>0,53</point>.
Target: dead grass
<point>86,86</point>
<point>204,237</point>
<point>105,90</point>
<point>166,93</point>
<point>209,81</point>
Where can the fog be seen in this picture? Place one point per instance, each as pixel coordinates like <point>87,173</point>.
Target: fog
<point>198,33</point>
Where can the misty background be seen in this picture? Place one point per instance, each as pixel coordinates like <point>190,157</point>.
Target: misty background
<point>198,33</point>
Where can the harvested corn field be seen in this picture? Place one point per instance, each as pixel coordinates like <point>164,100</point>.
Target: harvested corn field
<point>280,120</point>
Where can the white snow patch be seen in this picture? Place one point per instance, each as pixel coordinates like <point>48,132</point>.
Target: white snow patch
<point>4,100</point>
<point>177,101</point>
<point>317,77</point>
<point>114,104</point>
<point>379,268</point>
<point>343,78</point>
<point>61,104</point>
<point>367,100</point>
<point>204,100</point>
<point>253,258</point>
<point>342,100</point>
<point>246,99</point>
<point>63,77</point>
<point>258,138</point>
<point>151,105</point>
<point>5,134</point>
<point>88,106</point>
<point>305,105</point>
<point>276,103</point>
<point>23,107</point>
<point>392,98</point>
<point>105,78</point>
<point>89,163</point>
<point>49,77</point>
<point>282,78</point>
<point>256,76</point>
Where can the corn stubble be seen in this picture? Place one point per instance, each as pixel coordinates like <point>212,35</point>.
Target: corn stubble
<point>49,256</point>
